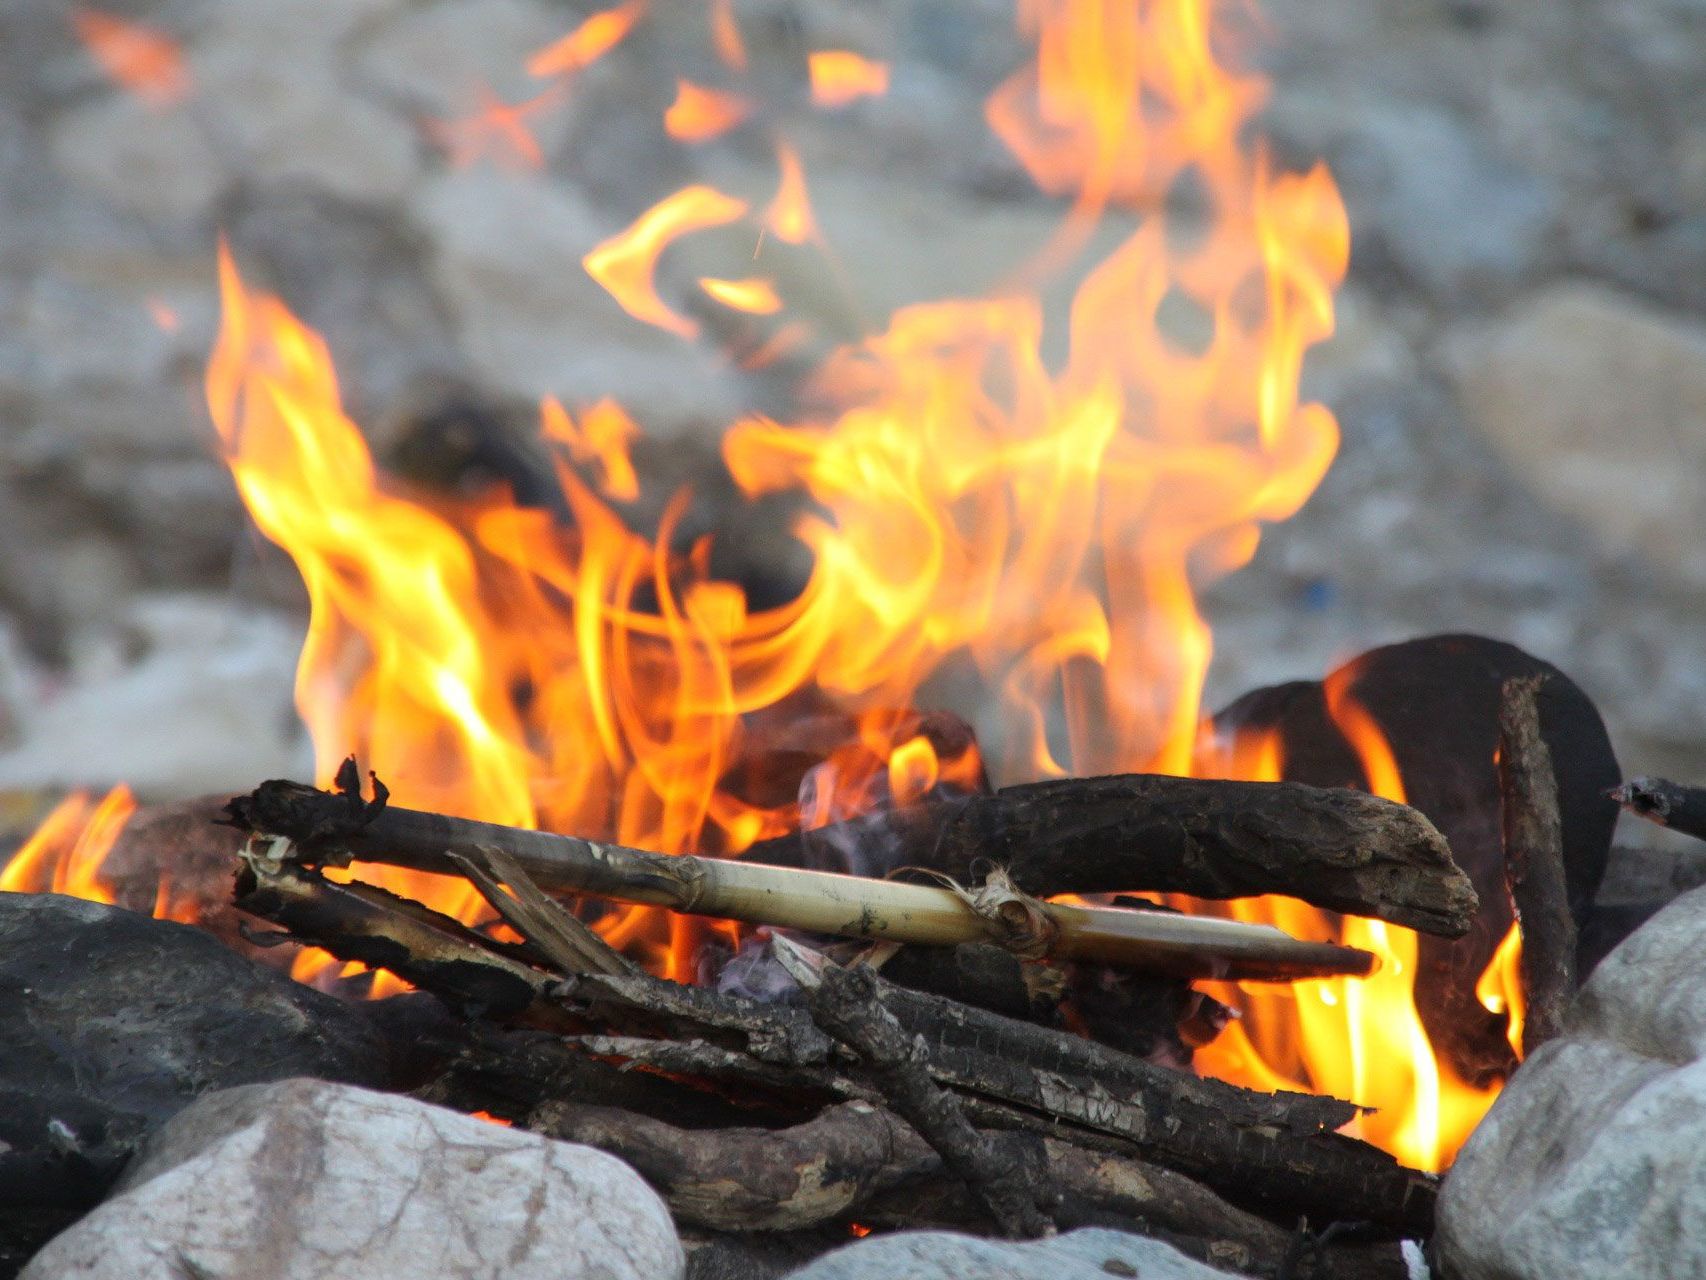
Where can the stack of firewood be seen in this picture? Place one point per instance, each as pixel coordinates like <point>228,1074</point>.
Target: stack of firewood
<point>946,1062</point>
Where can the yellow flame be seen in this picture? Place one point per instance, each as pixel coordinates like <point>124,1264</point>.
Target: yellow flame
<point>626,264</point>
<point>840,77</point>
<point>789,215</point>
<point>755,295</point>
<point>596,36</point>
<point>976,509</point>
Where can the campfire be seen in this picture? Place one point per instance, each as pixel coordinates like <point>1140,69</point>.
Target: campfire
<point>921,891</point>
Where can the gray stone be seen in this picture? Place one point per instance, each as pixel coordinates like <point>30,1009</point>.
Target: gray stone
<point>1599,402</point>
<point>435,57</point>
<point>1592,1163</point>
<point>190,697</point>
<point>113,1022</point>
<point>1091,1254</point>
<point>304,1180</point>
<point>160,164</point>
<point>508,263</point>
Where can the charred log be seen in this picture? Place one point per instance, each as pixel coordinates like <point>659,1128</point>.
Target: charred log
<point>845,1003</point>
<point>1669,804</point>
<point>1534,864</point>
<point>1343,850</point>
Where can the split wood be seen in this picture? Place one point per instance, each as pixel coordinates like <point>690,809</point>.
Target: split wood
<point>332,828</point>
<point>1534,863</point>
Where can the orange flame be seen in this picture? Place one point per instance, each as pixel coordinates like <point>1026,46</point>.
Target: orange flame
<point>725,35</point>
<point>975,509</point>
<point>141,60</point>
<point>65,853</point>
<point>969,503</point>
<point>840,77</point>
<point>1500,986</point>
<point>789,215</point>
<point>626,264</point>
<point>596,36</point>
<point>699,114</point>
<point>1357,1039</point>
<point>602,438</point>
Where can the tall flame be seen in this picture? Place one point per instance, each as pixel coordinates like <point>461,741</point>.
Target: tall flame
<point>975,509</point>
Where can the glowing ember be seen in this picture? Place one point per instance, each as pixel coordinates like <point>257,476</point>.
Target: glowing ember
<point>138,58</point>
<point>66,851</point>
<point>839,77</point>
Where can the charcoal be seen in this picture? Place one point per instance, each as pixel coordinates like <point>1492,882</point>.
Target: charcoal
<point>113,1022</point>
<point>1436,699</point>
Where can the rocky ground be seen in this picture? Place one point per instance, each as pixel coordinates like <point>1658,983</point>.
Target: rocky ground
<point>1520,372</point>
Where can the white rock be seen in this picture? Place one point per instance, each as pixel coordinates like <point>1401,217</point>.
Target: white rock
<point>304,1180</point>
<point>206,707</point>
<point>1599,401</point>
<point>1592,1163</point>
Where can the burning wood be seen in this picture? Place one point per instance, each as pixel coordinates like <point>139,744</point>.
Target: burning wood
<point>334,827</point>
<point>975,1115</point>
<point>1345,850</point>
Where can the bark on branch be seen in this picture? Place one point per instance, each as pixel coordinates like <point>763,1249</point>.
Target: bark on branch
<point>335,827</point>
<point>1336,848</point>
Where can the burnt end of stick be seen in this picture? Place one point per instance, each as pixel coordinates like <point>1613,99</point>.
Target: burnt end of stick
<point>1436,700</point>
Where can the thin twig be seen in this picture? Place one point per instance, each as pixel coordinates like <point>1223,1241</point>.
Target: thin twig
<point>564,939</point>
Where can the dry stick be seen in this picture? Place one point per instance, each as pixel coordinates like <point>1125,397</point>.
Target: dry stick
<point>1336,848</point>
<point>336,827</point>
<point>843,1002</point>
<point>564,939</point>
<point>1669,804</point>
<point>1534,863</point>
<point>366,923</point>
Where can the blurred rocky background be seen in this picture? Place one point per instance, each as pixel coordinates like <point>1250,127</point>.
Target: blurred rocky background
<point>1520,371</point>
